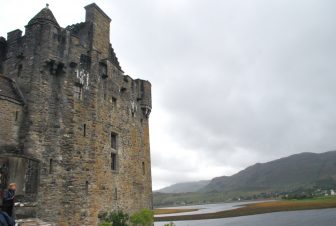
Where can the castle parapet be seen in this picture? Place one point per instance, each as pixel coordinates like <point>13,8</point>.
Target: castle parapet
<point>145,96</point>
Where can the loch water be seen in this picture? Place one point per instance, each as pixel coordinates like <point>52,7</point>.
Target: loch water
<point>320,217</point>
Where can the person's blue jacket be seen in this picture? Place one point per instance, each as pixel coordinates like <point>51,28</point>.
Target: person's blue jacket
<point>9,197</point>
<point>6,220</point>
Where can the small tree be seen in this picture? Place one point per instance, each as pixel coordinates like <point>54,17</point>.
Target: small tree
<point>116,218</point>
<point>144,217</point>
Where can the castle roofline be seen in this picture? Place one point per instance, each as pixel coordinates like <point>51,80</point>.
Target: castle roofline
<point>44,15</point>
<point>94,5</point>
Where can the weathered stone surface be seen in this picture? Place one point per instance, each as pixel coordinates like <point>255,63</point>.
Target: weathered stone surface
<point>33,222</point>
<point>81,118</point>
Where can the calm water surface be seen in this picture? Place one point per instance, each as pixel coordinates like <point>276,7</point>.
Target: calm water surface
<point>323,217</point>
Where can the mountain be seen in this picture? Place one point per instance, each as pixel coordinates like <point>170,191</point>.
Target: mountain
<point>303,170</point>
<point>290,174</point>
<point>185,187</point>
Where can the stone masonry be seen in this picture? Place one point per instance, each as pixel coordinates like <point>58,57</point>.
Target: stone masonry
<point>74,127</point>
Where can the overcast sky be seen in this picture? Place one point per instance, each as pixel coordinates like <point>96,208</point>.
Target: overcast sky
<point>234,82</point>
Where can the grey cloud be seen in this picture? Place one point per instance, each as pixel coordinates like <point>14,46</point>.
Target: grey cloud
<point>241,81</point>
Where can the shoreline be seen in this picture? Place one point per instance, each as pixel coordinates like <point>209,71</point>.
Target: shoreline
<point>160,211</point>
<point>213,203</point>
<point>258,208</point>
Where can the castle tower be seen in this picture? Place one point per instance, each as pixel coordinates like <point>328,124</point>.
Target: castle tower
<point>75,136</point>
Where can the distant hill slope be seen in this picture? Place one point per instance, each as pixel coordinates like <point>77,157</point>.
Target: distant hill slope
<point>185,187</point>
<point>300,170</point>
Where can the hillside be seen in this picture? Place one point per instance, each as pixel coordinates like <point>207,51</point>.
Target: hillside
<point>185,187</point>
<point>300,170</point>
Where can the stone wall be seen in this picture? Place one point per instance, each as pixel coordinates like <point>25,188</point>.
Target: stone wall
<point>10,115</point>
<point>84,120</point>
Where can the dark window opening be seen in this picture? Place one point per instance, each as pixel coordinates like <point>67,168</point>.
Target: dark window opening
<point>16,115</point>
<point>123,89</point>
<point>143,168</point>
<point>84,130</point>
<point>115,193</point>
<point>73,64</point>
<point>86,187</point>
<point>105,96</point>
<point>103,70</point>
<point>113,161</point>
<point>114,102</point>
<point>113,141</point>
<point>19,70</point>
<point>51,166</point>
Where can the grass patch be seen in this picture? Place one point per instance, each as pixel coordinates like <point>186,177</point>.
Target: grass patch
<point>259,208</point>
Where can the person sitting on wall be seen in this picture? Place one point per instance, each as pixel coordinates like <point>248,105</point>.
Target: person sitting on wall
<point>8,199</point>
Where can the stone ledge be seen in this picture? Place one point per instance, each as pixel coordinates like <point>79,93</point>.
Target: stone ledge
<point>33,222</point>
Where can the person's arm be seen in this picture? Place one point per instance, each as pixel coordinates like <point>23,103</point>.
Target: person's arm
<point>8,196</point>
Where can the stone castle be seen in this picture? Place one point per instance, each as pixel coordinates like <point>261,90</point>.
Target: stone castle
<point>74,128</point>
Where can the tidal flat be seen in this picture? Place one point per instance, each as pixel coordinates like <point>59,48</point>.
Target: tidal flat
<point>257,208</point>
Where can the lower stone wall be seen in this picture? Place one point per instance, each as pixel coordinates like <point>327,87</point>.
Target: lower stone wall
<point>34,222</point>
<point>10,116</point>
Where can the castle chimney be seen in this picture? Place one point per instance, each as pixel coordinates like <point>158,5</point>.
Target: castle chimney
<point>100,37</point>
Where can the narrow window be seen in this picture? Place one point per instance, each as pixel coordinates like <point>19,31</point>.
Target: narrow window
<point>86,187</point>
<point>51,166</point>
<point>84,130</point>
<point>113,161</point>
<point>114,102</point>
<point>143,168</point>
<point>115,193</point>
<point>113,141</point>
<point>16,115</point>
<point>103,70</point>
<point>19,70</point>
